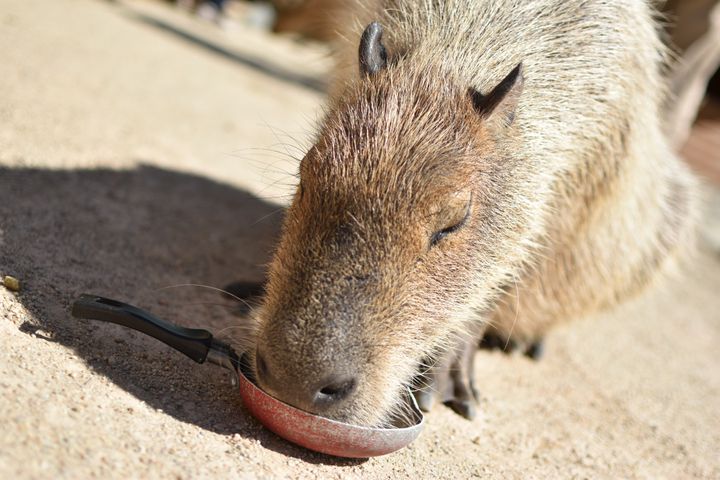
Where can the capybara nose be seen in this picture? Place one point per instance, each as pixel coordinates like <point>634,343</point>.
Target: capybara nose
<point>334,389</point>
<point>303,393</point>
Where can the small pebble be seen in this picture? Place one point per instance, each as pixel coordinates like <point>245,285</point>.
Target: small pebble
<point>11,283</point>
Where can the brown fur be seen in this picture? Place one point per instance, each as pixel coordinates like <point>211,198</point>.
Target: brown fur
<point>576,204</point>
<point>316,19</point>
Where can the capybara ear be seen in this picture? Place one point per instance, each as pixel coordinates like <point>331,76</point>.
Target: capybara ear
<point>373,56</point>
<point>501,102</point>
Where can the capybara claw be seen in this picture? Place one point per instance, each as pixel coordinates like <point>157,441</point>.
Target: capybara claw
<point>464,408</point>
<point>536,350</point>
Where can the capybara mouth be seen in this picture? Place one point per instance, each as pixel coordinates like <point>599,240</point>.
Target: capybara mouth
<point>402,414</point>
<point>323,434</point>
<point>363,400</point>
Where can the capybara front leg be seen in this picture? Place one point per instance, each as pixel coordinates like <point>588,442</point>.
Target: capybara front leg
<point>451,379</point>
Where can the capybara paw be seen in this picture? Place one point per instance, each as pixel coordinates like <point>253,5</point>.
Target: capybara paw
<point>451,381</point>
<point>462,396</point>
<point>464,408</point>
<point>535,350</point>
<point>449,384</point>
<point>494,341</point>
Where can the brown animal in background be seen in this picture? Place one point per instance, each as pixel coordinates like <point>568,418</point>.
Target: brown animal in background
<point>493,163</point>
<point>316,19</point>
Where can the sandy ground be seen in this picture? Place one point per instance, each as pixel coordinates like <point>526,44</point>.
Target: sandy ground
<point>140,149</point>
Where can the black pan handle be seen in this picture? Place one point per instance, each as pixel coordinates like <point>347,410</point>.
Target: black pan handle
<point>195,343</point>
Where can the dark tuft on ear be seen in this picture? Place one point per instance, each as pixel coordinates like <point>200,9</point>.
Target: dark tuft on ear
<point>373,56</point>
<point>502,100</point>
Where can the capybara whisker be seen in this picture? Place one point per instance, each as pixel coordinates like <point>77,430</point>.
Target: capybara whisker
<point>208,287</point>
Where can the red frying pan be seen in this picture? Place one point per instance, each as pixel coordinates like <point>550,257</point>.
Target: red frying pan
<point>308,430</point>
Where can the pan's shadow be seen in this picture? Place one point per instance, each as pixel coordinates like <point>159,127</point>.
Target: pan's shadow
<point>127,234</point>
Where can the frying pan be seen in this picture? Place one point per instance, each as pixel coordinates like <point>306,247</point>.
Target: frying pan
<point>305,429</point>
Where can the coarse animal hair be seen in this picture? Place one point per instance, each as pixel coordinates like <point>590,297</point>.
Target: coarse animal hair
<point>568,195</point>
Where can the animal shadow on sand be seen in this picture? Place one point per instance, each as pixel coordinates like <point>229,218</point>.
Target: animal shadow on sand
<point>128,234</point>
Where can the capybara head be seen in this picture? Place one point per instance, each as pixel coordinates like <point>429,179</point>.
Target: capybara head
<point>401,226</point>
